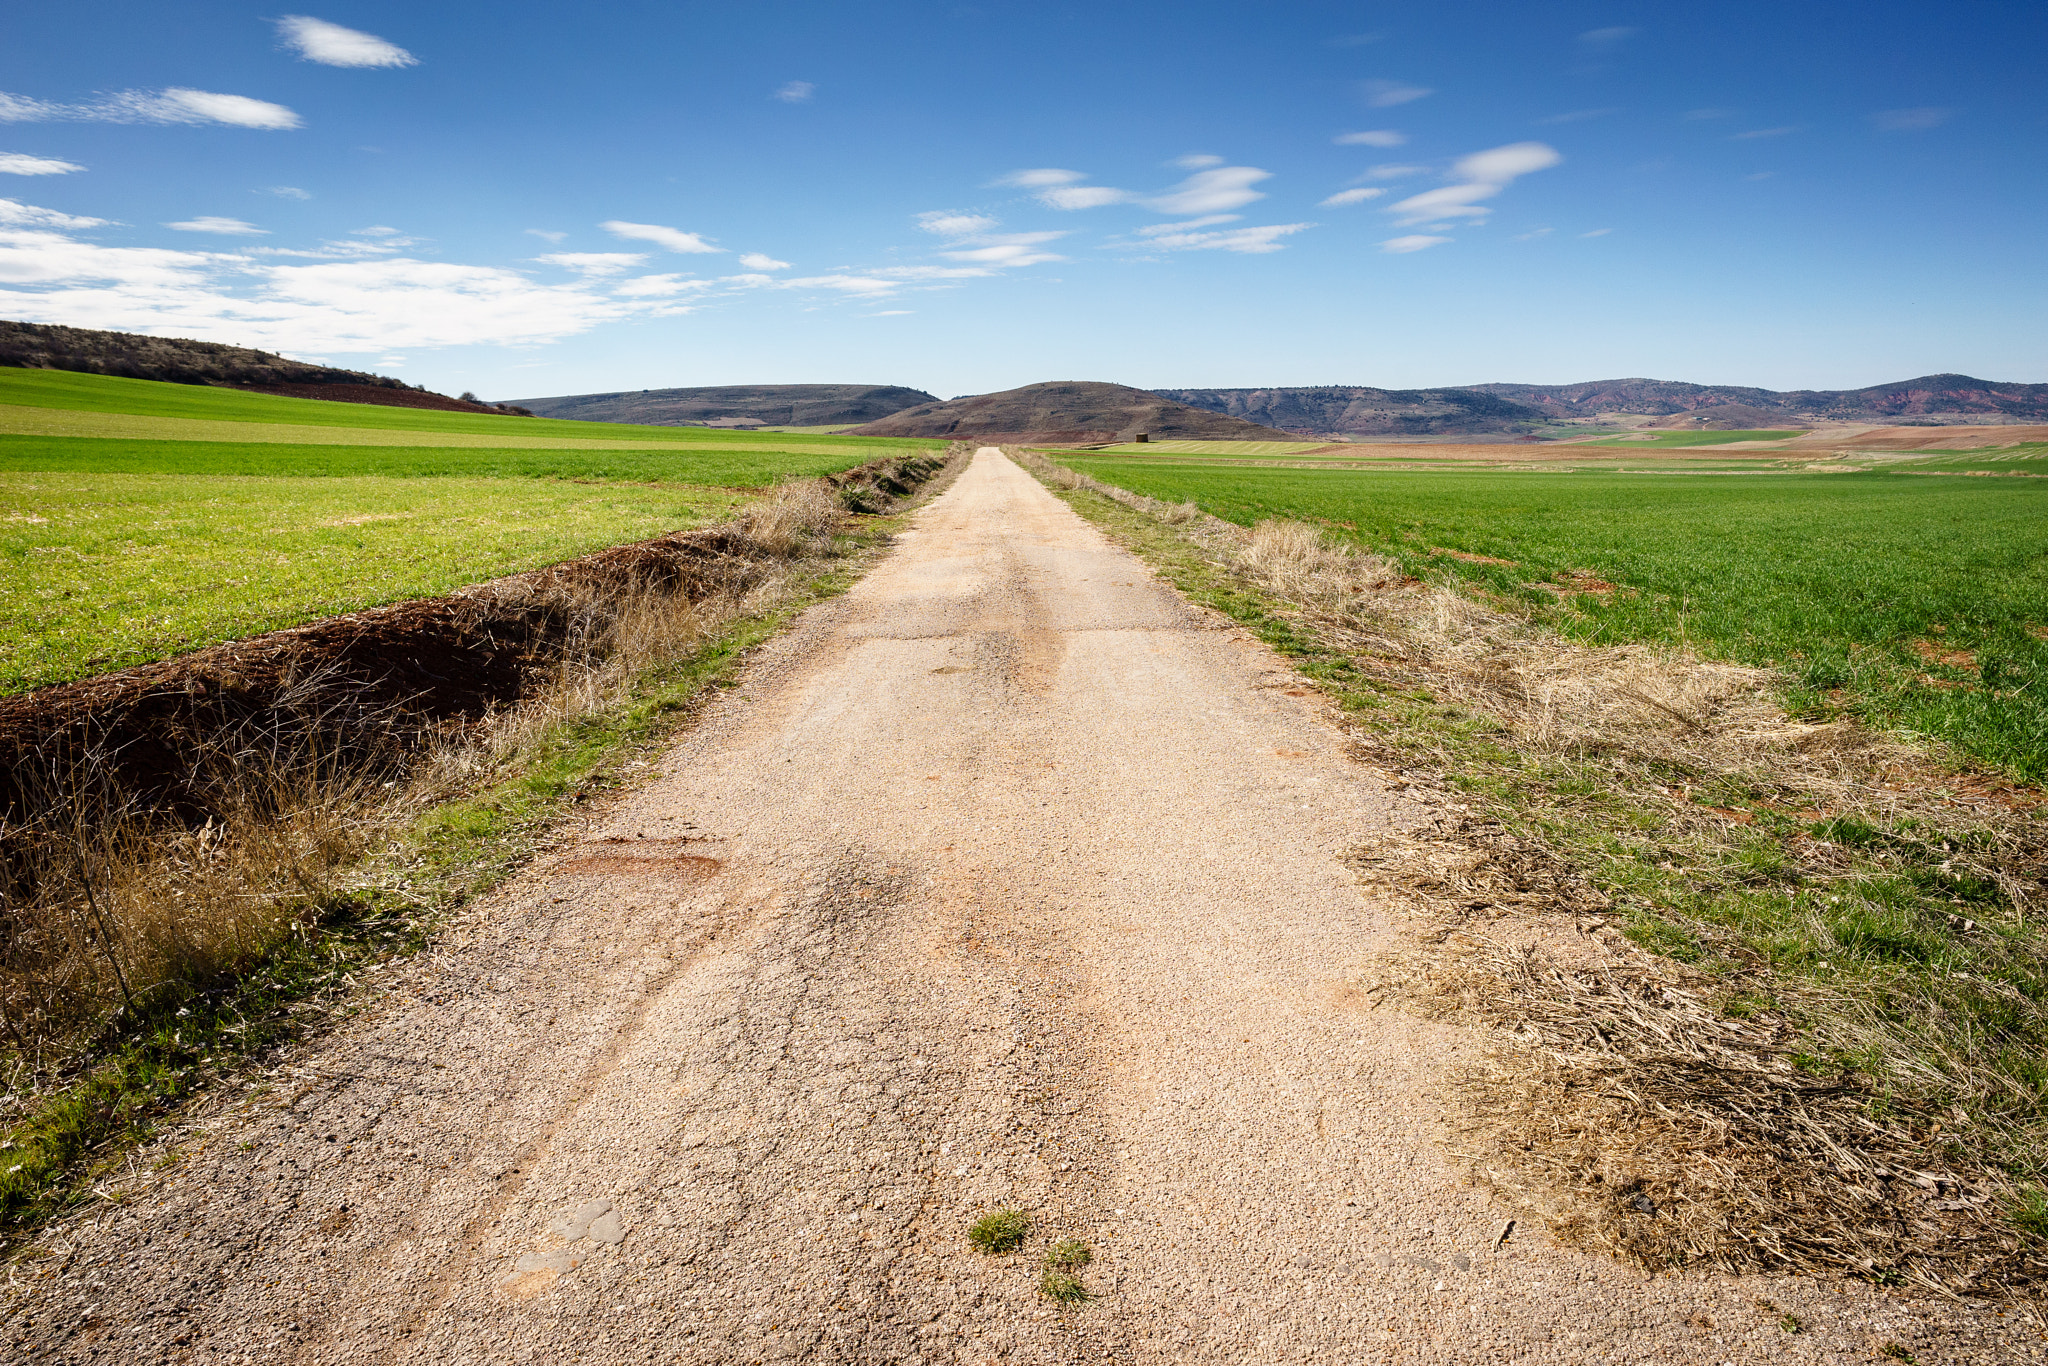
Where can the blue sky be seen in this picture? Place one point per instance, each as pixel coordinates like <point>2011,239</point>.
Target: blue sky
<point>527,199</point>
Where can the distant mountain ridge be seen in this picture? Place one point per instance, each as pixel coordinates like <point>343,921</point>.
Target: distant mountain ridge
<point>1519,408</point>
<point>1071,412</point>
<point>737,405</point>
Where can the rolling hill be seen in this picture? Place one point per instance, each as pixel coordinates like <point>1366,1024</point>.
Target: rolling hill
<point>178,360</point>
<point>1072,412</point>
<point>737,405</point>
<point>1478,409</point>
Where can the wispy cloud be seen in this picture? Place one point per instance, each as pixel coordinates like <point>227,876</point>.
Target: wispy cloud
<point>1764,133</point>
<point>1375,137</point>
<point>1580,115</point>
<point>1482,175</point>
<point>1394,171</point>
<point>1401,246</point>
<point>1343,197</point>
<point>659,286</point>
<point>795,92</point>
<point>1911,120</point>
<point>15,214</point>
<point>1196,161</point>
<point>21,163</point>
<point>1602,39</point>
<point>670,239</point>
<point>1206,221</point>
<point>316,40</point>
<point>1041,177</point>
<point>1007,250</point>
<point>948,224</point>
<point>1597,232</point>
<point>178,104</point>
<point>594,264</point>
<point>754,260</point>
<point>544,235</point>
<point>226,227</point>
<point>1533,234</point>
<point>1213,191</point>
<point>1082,196</point>
<point>284,192</point>
<point>1247,241</point>
<point>1384,94</point>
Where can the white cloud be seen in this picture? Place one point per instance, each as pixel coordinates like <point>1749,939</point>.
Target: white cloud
<point>893,313</point>
<point>1040,178</point>
<point>1499,165</point>
<point>1207,220</point>
<point>594,264</point>
<point>1597,232</point>
<point>1343,197</point>
<point>936,272</point>
<point>1196,161</point>
<point>544,235</point>
<point>1374,137</point>
<point>226,227</point>
<point>1401,246</point>
<point>858,286</point>
<point>21,163</point>
<point>1484,175</point>
<point>15,214</point>
<point>175,105</point>
<point>1394,172</point>
<point>673,239</point>
<point>316,40</point>
<point>1911,120</point>
<point>956,224</point>
<point>1533,234</point>
<point>1607,37</point>
<point>659,286</point>
<point>284,192</point>
<point>1081,196</point>
<point>795,92</point>
<point>1225,188</point>
<point>1249,241</point>
<point>1387,94</point>
<point>1008,251</point>
<point>1765,133</point>
<point>754,260</point>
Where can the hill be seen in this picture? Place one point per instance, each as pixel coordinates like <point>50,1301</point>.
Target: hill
<point>1068,411</point>
<point>737,405</point>
<point>178,360</point>
<point>1477,409</point>
<point>1363,411</point>
<point>1940,398</point>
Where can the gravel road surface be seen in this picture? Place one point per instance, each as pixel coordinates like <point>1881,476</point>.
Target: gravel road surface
<point>1008,879</point>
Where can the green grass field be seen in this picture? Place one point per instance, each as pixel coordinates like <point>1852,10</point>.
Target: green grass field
<point>1914,602</point>
<point>124,539</point>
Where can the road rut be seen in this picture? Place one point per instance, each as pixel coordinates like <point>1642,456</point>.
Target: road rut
<point>1009,878</point>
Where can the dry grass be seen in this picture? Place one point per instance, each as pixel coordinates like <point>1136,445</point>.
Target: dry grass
<point>1824,1076</point>
<point>110,908</point>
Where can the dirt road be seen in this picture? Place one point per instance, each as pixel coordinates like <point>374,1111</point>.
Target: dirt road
<point>1007,879</point>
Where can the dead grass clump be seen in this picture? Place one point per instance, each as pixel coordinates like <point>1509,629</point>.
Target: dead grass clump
<point>1640,1118</point>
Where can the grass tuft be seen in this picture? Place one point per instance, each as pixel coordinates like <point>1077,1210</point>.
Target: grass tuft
<point>1000,1231</point>
<point>1062,1287</point>
<point>1068,1254</point>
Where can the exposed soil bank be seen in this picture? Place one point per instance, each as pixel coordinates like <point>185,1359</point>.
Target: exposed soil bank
<point>365,688</point>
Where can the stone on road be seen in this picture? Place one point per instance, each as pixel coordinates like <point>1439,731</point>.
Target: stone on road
<point>1009,879</point>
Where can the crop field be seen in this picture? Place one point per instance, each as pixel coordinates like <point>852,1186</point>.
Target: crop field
<point>1682,438</point>
<point>123,539</point>
<point>1912,601</point>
